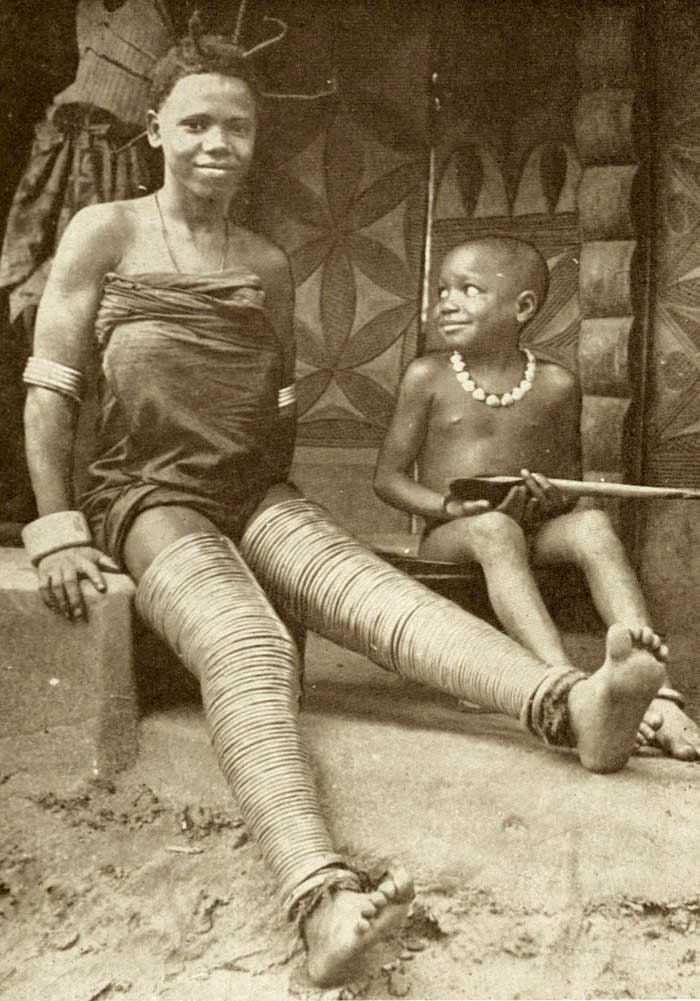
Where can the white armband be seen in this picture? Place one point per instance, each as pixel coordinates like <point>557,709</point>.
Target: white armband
<point>287,396</point>
<point>53,375</point>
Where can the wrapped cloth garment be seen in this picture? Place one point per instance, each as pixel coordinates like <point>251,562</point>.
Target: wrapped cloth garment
<point>84,150</point>
<point>189,382</point>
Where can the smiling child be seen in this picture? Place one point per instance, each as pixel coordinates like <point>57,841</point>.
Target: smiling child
<point>486,406</point>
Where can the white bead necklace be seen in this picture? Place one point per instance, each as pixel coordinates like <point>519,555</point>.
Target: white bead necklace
<point>492,399</point>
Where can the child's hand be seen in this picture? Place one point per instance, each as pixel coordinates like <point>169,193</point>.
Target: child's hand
<point>455,508</point>
<point>521,506</point>
<point>534,501</point>
<point>471,508</point>
<point>550,501</point>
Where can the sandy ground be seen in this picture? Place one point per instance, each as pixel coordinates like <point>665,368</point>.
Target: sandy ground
<point>107,891</point>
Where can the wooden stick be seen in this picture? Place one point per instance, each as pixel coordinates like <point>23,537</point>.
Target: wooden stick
<point>579,488</point>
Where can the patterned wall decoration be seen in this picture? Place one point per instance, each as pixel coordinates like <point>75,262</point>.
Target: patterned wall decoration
<point>347,204</point>
<point>352,226</point>
<point>673,411</point>
<point>607,145</point>
<point>473,200</point>
<point>506,158</point>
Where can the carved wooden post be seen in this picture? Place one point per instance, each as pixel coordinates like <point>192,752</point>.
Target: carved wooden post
<point>604,136</point>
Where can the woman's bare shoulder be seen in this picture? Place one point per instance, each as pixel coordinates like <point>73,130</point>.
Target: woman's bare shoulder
<point>261,253</point>
<point>99,233</point>
<point>111,215</point>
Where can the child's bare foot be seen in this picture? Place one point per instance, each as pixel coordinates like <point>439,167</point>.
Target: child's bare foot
<point>606,709</point>
<point>345,924</point>
<point>667,727</point>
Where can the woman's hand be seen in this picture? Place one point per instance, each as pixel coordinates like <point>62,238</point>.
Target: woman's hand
<point>60,573</point>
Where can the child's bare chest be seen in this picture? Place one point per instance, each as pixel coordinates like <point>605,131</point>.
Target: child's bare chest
<point>456,415</point>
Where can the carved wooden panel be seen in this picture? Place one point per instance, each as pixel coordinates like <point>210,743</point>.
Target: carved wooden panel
<point>673,412</point>
<point>506,160</point>
<point>343,193</point>
<point>603,124</point>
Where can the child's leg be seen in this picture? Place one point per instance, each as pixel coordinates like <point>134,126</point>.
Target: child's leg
<point>321,576</point>
<point>498,544</point>
<point>588,539</point>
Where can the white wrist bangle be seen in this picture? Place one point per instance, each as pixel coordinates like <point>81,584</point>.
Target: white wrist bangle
<point>54,532</point>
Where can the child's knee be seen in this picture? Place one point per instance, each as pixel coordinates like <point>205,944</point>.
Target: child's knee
<point>591,531</point>
<point>494,532</point>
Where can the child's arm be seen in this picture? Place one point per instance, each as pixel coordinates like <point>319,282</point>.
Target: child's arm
<point>392,480</point>
<point>564,393</point>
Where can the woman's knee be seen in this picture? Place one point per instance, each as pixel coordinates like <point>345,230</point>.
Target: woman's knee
<point>157,528</point>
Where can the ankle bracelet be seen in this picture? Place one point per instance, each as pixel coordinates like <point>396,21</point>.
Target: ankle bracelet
<point>671,695</point>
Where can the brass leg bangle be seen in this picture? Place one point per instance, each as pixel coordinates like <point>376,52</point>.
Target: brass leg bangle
<point>671,695</point>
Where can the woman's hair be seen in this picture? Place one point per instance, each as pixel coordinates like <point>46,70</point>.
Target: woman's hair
<point>199,53</point>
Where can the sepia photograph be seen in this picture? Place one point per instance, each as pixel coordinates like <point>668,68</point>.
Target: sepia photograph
<point>349,500</point>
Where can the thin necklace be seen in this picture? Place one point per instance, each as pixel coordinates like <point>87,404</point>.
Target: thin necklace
<point>166,241</point>
<point>468,384</point>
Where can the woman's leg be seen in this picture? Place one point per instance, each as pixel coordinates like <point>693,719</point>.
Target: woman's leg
<point>321,576</point>
<point>196,592</point>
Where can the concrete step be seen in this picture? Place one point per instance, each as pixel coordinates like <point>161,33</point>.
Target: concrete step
<point>71,682</point>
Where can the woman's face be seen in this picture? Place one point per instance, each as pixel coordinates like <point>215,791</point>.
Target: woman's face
<point>206,129</point>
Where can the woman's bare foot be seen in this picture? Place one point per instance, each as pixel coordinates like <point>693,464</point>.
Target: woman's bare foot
<point>345,924</point>
<point>606,709</point>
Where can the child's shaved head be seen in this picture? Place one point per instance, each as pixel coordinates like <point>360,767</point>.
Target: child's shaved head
<point>521,262</point>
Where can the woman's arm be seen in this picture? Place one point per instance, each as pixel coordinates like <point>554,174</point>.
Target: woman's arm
<point>279,301</point>
<point>64,334</point>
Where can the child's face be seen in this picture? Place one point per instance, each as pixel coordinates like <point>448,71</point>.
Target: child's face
<point>479,298</point>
